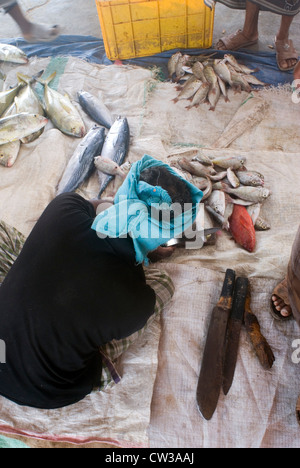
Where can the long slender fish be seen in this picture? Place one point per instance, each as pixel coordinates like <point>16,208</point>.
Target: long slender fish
<point>10,53</point>
<point>61,111</point>
<point>96,109</point>
<point>81,165</point>
<point>116,146</point>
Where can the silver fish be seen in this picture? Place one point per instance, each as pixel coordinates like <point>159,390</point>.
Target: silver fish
<point>172,63</point>
<point>223,71</point>
<point>239,81</point>
<point>201,158</point>
<point>116,147</point>
<point>252,178</point>
<point>96,109</point>
<point>200,96</point>
<point>10,53</point>
<point>81,165</point>
<point>214,96</point>
<point>251,194</point>
<point>238,66</point>
<point>9,153</point>
<point>223,89</point>
<point>7,97</point>
<point>208,190</point>
<point>16,127</point>
<point>254,211</point>
<point>196,168</point>
<point>232,178</point>
<point>198,71</point>
<point>232,162</point>
<point>179,66</point>
<point>217,202</point>
<point>61,111</point>
<point>217,216</point>
<point>188,91</point>
<point>251,79</point>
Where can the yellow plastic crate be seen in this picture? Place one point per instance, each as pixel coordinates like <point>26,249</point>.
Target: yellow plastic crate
<point>140,28</point>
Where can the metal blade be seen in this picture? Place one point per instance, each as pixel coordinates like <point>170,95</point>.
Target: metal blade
<point>233,333</point>
<point>211,374</point>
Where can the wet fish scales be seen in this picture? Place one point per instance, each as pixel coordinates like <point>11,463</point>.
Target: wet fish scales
<point>96,109</point>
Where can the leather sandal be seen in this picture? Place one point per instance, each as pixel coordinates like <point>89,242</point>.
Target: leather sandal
<point>236,41</point>
<point>285,50</point>
<point>281,292</point>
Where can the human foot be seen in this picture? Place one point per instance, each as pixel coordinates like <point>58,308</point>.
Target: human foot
<point>236,41</point>
<point>281,309</point>
<point>286,54</point>
<point>41,33</point>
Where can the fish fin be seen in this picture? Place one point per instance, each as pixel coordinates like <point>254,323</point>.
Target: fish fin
<point>47,80</point>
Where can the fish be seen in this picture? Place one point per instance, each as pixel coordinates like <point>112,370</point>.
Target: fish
<point>96,109</point>
<point>81,165</point>
<point>214,91</point>
<point>61,111</point>
<point>7,97</point>
<point>223,89</point>
<point>219,218</point>
<point>219,176</point>
<point>222,71</point>
<point>116,147</point>
<point>251,194</point>
<point>18,126</point>
<point>238,66</point>
<point>198,71</point>
<point>232,178</point>
<point>187,83</point>
<point>251,79</point>
<point>208,190</point>
<point>179,71</point>
<point>261,224</point>
<point>9,153</point>
<point>234,162</point>
<point>200,96</point>
<point>10,53</point>
<point>172,63</point>
<point>109,167</point>
<point>27,101</point>
<point>217,202</point>
<point>242,229</point>
<point>2,80</point>
<point>239,81</point>
<point>202,158</point>
<point>188,91</point>
<point>196,168</point>
<point>252,178</point>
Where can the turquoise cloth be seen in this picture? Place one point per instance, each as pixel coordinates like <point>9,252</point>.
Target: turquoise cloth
<point>6,442</point>
<point>132,212</point>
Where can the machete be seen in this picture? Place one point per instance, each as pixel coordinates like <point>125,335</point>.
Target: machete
<point>233,332</point>
<point>211,374</point>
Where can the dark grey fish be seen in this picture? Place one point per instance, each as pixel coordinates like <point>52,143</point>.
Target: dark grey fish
<point>81,165</point>
<point>116,146</point>
<point>96,109</point>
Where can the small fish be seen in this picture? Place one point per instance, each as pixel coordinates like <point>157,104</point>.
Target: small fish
<point>219,176</point>
<point>238,66</point>
<point>7,97</point>
<point>239,81</point>
<point>188,91</point>
<point>208,190</point>
<point>196,168</point>
<point>187,83</point>
<point>16,127</point>
<point>198,71</point>
<point>223,71</point>
<point>262,225</point>
<point>214,96</point>
<point>109,167</point>
<point>179,72</point>
<point>251,194</point>
<point>223,89</point>
<point>229,207</point>
<point>10,53</point>
<point>81,165</point>
<point>232,178</point>
<point>9,153</point>
<point>252,178</point>
<point>242,229</point>
<point>116,147</point>
<point>219,218</point>
<point>200,96</point>
<point>217,202</point>
<point>61,111</point>
<point>210,75</point>
<point>254,211</point>
<point>251,79</point>
<point>172,63</point>
<point>96,109</point>
<point>201,158</point>
<point>232,162</point>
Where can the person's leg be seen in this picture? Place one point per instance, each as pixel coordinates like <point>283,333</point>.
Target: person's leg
<point>287,56</point>
<point>245,37</point>
<point>32,32</point>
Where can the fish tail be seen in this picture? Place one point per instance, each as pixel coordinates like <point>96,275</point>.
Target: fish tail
<point>47,80</point>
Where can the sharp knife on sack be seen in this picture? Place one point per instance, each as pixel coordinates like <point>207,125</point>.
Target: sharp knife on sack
<point>222,342</point>
<point>207,236</point>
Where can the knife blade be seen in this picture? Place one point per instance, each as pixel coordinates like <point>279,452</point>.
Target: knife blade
<point>183,241</point>
<point>233,332</point>
<point>211,374</point>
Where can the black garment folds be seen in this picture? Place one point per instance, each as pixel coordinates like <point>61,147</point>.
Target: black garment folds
<point>68,293</point>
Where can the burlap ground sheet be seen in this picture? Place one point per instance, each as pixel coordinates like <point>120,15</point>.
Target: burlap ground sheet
<point>155,403</point>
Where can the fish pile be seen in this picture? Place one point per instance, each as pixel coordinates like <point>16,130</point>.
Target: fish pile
<point>208,78</point>
<point>233,195</point>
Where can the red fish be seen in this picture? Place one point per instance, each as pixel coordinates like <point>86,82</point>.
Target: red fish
<point>241,228</point>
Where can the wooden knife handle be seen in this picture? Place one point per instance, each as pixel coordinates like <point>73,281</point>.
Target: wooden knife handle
<point>227,290</point>
<point>239,298</point>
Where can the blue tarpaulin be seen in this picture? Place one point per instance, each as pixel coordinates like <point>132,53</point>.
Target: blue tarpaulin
<point>92,49</point>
